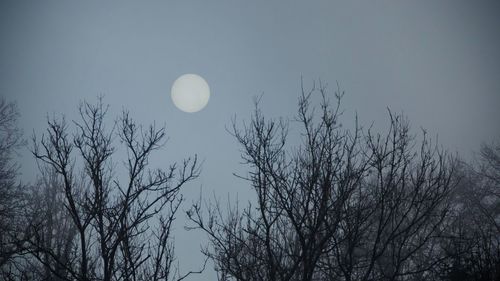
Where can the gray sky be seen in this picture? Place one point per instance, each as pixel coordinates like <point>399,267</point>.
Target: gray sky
<point>438,61</point>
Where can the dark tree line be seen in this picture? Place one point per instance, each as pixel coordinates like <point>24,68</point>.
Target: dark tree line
<point>354,204</point>
<point>90,216</point>
<point>344,204</point>
<point>472,240</point>
<point>11,191</point>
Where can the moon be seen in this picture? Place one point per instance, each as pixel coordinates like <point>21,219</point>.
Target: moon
<point>190,93</point>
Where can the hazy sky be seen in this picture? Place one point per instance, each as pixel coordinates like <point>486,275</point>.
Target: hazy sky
<point>437,61</point>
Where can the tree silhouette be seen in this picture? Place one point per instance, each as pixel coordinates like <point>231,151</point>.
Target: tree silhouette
<point>472,241</point>
<point>122,228</point>
<point>12,197</point>
<point>344,205</point>
<point>54,235</point>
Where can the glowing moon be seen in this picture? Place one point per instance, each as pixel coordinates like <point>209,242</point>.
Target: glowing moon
<point>190,93</point>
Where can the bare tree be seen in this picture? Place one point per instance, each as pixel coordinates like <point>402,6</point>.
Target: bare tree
<point>299,197</point>
<point>11,195</point>
<point>487,194</point>
<point>472,242</point>
<point>344,205</point>
<point>113,217</point>
<point>53,243</point>
<point>394,222</point>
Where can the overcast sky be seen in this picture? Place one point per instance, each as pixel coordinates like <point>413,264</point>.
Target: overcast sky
<point>437,61</point>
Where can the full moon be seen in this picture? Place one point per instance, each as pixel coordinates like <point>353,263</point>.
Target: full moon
<point>190,93</point>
